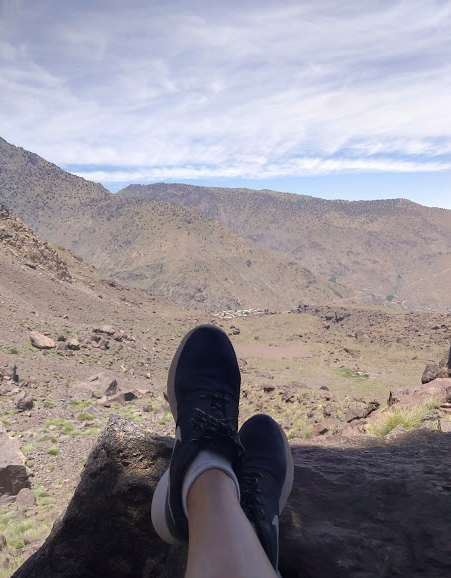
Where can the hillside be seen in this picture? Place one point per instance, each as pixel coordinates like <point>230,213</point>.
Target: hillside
<point>49,200</point>
<point>179,253</point>
<point>174,251</point>
<point>379,248</point>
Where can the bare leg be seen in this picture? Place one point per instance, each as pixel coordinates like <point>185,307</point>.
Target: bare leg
<point>222,542</point>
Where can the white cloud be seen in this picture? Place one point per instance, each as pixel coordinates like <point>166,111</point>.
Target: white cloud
<point>295,167</point>
<point>232,89</point>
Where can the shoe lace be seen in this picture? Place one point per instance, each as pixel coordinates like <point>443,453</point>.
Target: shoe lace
<point>216,431</point>
<point>250,494</point>
<point>219,401</point>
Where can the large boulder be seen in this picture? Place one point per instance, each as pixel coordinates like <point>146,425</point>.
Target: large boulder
<point>362,509</point>
<point>41,341</point>
<point>415,396</point>
<point>430,373</point>
<point>13,472</point>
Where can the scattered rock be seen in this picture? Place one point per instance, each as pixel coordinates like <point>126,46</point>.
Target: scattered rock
<point>318,430</point>
<point>112,388</point>
<point>41,341</point>
<point>104,401</point>
<point>108,329</point>
<point>13,472</point>
<point>289,395</point>
<point>268,388</point>
<point>73,344</point>
<point>123,397</point>
<point>352,352</point>
<point>445,425</point>
<point>430,373</point>
<point>361,411</point>
<point>26,498</point>
<point>25,404</point>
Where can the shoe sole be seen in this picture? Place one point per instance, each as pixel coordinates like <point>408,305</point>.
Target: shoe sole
<point>160,507</point>
<point>288,483</point>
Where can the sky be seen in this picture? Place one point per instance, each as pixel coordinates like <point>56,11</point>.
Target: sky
<point>337,99</point>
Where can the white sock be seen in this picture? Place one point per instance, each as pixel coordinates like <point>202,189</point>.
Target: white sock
<point>204,461</point>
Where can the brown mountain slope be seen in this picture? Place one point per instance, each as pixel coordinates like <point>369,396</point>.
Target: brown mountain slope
<point>179,253</point>
<point>49,200</point>
<point>19,241</point>
<point>381,248</point>
<point>175,251</point>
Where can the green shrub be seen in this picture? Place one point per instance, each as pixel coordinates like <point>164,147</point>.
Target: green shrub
<point>13,351</point>
<point>409,418</point>
<point>390,297</point>
<point>433,403</point>
<point>47,501</point>
<point>53,451</point>
<point>83,416</point>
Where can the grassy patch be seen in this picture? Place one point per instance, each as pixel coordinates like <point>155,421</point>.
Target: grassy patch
<point>47,501</point>
<point>7,571</point>
<point>349,373</point>
<point>80,404</point>
<point>53,451</point>
<point>13,351</point>
<point>40,492</point>
<point>433,403</point>
<point>409,418</point>
<point>83,416</point>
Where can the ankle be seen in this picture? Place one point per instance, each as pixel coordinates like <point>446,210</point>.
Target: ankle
<point>212,485</point>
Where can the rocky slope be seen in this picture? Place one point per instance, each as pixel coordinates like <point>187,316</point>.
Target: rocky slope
<point>390,248</point>
<point>174,251</point>
<point>21,242</point>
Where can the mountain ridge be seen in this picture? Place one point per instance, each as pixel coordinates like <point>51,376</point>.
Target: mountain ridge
<point>392,247</point>
<point>175,251</point>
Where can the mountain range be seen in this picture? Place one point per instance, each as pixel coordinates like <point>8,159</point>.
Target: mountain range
<point>220,249</point>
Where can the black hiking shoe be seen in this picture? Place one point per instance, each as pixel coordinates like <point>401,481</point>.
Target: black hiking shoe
<point>203,391</point>
<point>265,475</point>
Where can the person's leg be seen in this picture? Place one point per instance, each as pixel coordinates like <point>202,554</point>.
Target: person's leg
<point>222,542</point>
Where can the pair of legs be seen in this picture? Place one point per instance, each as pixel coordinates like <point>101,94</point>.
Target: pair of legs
<point>225,489</point>
<point>225,550</point>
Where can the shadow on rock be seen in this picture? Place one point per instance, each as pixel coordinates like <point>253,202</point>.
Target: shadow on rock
<point>367,509</point>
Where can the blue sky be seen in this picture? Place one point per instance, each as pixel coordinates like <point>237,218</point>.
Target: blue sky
<point>336,99</point>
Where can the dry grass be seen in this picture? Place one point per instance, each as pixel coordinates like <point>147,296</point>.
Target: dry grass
<point>409,418</point>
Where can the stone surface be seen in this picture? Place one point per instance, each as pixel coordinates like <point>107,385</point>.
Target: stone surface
<point>73,344</point>
<point>41,341</point>
<point>26,498</point>
<point>25,404</point>
<point>430,373</point>
<point>13,473</point>
<point>364,509</point>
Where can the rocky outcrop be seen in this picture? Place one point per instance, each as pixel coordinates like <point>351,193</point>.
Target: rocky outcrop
<point>366,508</point>
<point>23,243</point>
<point>13,472</point>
